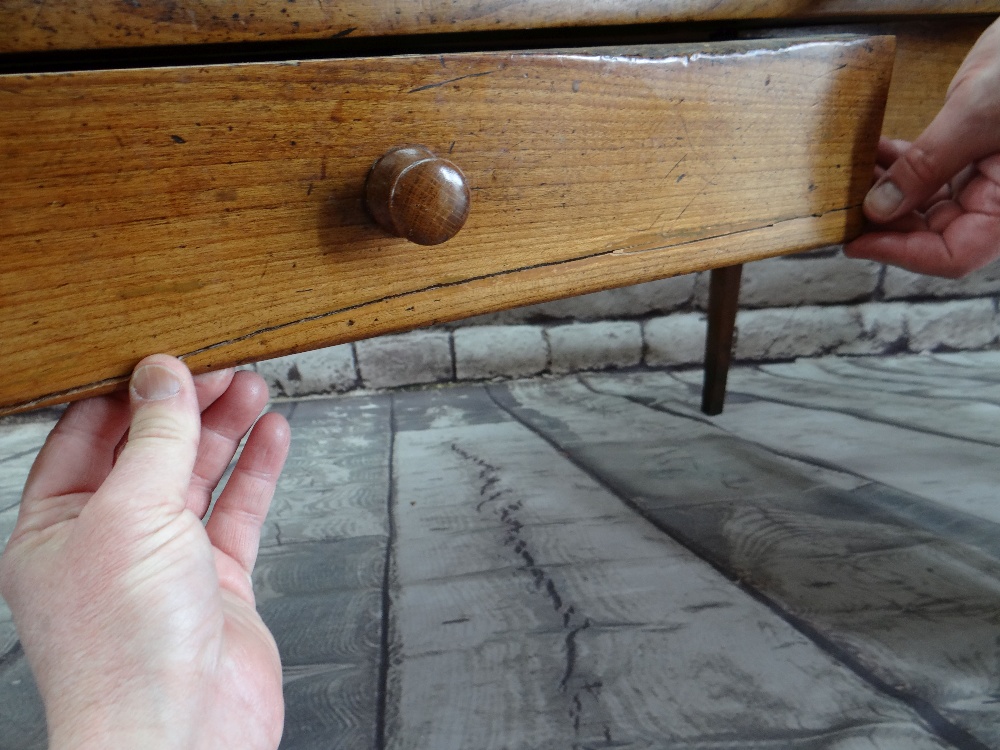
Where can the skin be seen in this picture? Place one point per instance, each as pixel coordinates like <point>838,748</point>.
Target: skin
<point>137,618</point>
<point>935,206</point>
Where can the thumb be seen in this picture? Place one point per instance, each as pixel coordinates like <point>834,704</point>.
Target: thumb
<point>154,467</point>
<point>959,136</point>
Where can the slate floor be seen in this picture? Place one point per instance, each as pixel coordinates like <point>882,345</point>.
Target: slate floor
<point>589,562</point>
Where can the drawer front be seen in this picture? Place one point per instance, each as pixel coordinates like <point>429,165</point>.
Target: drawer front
<point>217,213</point>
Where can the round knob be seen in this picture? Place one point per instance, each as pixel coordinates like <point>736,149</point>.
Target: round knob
<point>414,194</point>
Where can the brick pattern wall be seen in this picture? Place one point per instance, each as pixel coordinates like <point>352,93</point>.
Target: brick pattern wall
<point>797,306</point>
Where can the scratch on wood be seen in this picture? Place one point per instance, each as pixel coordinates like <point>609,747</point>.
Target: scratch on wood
<point>834,70</point>
<point>676,164</point>
<point>450,80</point>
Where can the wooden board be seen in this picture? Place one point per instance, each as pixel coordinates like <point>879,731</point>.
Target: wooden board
<point>928,54</point>
<point>215,213</point>
<point>907,442</point>
<point>319,576</point>
<point>532,609</point>
<point>744,491</point>
<point>926,61</point>
<point>64,24</point>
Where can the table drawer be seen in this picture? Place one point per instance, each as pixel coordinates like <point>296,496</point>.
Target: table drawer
<point>217,212</point>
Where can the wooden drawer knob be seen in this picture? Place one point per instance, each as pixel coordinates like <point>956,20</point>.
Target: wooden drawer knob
<point>414,194</point>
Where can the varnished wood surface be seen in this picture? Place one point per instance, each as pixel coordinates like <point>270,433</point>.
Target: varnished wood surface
<point>590,561</point>
<point>925,63</point>
<point>30,25</point>
<point>928,54</point>
<point>217,213</point>
<point>415,194</point>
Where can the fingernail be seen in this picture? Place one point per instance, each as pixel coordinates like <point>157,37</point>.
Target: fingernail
<point>155,383</point>
<point>883,199</point>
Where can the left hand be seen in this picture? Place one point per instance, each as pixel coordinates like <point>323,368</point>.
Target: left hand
<point>137,618</point>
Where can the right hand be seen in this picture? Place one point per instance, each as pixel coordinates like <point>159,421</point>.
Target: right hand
<point>936,201</point>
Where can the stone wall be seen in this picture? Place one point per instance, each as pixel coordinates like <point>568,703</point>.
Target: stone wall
<point>796,306</point>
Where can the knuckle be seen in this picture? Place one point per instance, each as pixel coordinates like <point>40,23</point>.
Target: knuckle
<point>922,165</point>
<point>158,426</point>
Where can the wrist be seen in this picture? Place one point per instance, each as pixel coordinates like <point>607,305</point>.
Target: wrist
<point>112,735</point>
<point>112,725</point>
<point>94,737</point>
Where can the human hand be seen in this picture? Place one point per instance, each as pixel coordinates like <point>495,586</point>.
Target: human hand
<point>936,201</point>
<point>138,620</point>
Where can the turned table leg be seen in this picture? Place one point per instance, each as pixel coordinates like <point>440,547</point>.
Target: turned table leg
<point>723,300</point>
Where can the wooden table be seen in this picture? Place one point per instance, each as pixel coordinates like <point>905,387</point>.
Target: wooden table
<point>189,177</point>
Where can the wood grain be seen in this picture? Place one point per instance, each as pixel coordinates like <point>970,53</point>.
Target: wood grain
<point>928,54</point>
<point>65,24</point>
<point>319,576</point>
<point>926,61</point>
<point>854,560</point>
<point>216,213</point>
<point>414,194</point>
<point>533,609</point>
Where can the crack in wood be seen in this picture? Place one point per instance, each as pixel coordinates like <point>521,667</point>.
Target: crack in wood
<point>941,725</point>
<point>498,274</point>
<point>572,623</point>
<point>108,384</point>
<point>386,634</point>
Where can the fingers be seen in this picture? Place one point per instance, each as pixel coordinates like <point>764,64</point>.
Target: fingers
<point>890,149</point>
<point>208,386</point>
<point>81,449</point>
<point>234,526</point>
<point>223,426</point>
<point>154,468</point>
<point>963,132</point>
<point>77,454</point>
<point>928,256</point>
<point>967,243</point>
<point>948,145</point>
